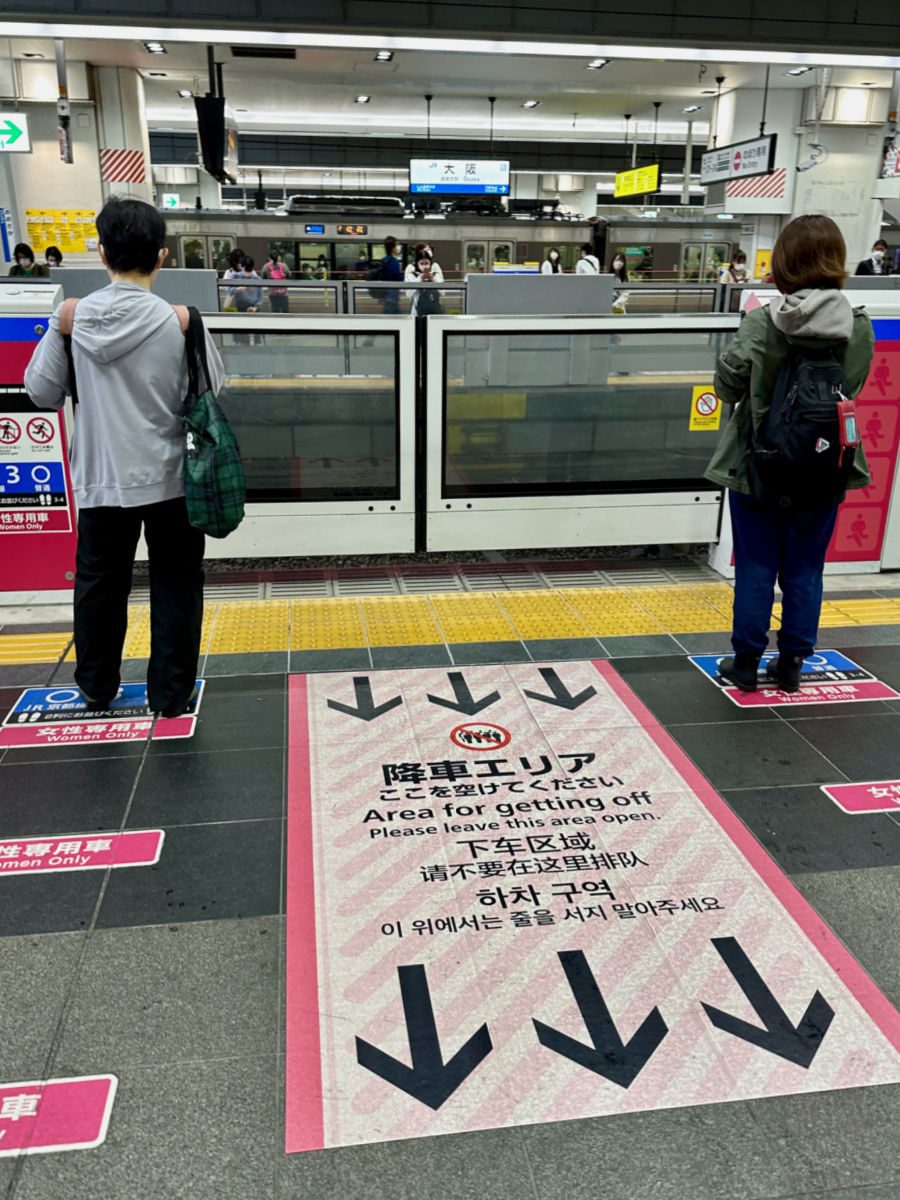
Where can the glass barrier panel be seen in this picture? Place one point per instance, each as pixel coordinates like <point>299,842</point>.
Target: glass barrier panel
<point>637,301</point>
<point>316,414</point>
<point>401,300</point>
<point>529,413</point>
<point>298,300</point>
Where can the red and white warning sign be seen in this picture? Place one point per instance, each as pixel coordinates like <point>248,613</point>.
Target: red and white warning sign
<point>706,409</point>
<point>570,924</point>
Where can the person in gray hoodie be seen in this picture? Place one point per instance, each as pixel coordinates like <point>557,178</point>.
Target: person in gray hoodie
<point>127,462</point>
<point>773,542</point>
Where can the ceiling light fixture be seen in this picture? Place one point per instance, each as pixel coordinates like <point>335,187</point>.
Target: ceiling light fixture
<point>158,74</point>
<point>596,64</point>
<point>32,54</point>
<point>531,104</point>
<point>363,99</point>
<point>384,56</point>
<point>692,108</point>
<point>185,93</point>
<point>154,47</point>
<point>799,71</point>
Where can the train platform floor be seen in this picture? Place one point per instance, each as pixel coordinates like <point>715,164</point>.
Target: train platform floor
<point>226,960</point>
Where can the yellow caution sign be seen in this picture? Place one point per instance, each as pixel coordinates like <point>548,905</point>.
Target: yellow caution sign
<point>637,182</point>
<point>706,409</point>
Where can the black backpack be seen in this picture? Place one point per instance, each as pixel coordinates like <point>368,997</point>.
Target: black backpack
<point>429,303</point>
<point>798,458</point>
<point>375,274</point>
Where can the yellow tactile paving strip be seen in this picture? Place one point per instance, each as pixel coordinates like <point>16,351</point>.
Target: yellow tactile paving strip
<point>255,626</point>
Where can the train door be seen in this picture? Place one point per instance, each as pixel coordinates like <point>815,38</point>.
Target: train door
<point>205,251</point>
<point>315,260</point>
<point>701,261</point>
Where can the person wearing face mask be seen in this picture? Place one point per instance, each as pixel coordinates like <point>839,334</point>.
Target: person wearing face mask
<point>424,302</point>
<point>877,263</point>
<point>736,271</point>
<point>129,362</point>
<point>25,267</point>
<point>551,264</point>
<point>424,249</point>
<point>53,256</point>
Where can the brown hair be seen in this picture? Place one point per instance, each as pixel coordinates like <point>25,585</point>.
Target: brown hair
<point>810,253</point>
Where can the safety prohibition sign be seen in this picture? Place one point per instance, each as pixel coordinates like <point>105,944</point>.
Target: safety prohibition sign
<point>557,918</point>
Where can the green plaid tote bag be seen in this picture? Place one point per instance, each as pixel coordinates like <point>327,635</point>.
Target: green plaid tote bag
<point>214,486</point>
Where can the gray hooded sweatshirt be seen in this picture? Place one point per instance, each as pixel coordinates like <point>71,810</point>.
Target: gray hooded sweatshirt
<point>131,371</point>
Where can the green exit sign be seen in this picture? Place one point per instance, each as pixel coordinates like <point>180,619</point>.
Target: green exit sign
<point>14,135</point>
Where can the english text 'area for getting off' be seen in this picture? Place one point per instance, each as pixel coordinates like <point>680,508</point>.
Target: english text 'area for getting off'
<point>513,899</point>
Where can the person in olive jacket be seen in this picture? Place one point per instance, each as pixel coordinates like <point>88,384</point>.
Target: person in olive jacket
<point>772,543</point>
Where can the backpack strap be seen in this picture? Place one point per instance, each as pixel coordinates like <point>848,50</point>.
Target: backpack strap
<point>66,325</point>
<point>195,338</point>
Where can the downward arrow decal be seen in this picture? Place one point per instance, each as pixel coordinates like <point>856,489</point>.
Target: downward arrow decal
<point>615,1060</point>
<point>366,709</point>
<point>429,1079</point>
<point>561,697</point>
<point>798,1044</point>
<point>464,702</point>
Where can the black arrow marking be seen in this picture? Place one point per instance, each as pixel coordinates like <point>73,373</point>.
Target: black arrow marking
<point>464,702</point>
<point>366,708</point>
<point>798,1044</point>
<point>429,1079</point>
<point>561,697</point>
<point>617,1061</point>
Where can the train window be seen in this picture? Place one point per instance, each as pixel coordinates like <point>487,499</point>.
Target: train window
<point>315,260</point>
<point>193,252</point>
<point>351,260</point>
<point>531,413</point>
<point>476,256</point>
<point>218,249</point>
<point>316,414</point>
<point>287,251</point>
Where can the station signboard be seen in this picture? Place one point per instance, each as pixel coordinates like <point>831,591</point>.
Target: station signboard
<point>458,176</point>
<point>741,160</point>
<point>637,182</point>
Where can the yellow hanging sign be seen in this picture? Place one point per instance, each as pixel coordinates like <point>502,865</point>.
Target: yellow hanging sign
<point>637,182</point>
<point>706,409</point>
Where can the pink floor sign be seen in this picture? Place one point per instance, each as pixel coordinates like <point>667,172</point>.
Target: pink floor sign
<point>866,797</point>
<point>84,852</point>
<point>535,911</point>
<point>57,1114</point>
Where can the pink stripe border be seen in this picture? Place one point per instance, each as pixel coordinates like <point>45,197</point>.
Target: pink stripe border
<point>304,1100</point>
<point>838,957</point>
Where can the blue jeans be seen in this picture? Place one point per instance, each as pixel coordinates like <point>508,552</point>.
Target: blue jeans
<point>778,544</point>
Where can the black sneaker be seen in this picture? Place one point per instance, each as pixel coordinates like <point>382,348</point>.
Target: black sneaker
<point>785,671</point>
<point>742,671</point>
<point>178,710</point>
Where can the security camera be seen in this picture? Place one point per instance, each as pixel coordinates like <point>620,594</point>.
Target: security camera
<point>817,154</point>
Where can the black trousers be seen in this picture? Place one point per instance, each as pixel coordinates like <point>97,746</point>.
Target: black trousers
<point>107,541</point>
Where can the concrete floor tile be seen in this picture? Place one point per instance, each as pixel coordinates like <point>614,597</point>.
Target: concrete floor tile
<point>488,1165</point>
<point>755,754</point>
<point>348,658</point>
<point>228,785</point>
<point>639,645</point>
<point>558,649</point>
<point>269,662</point>
<point>167,994</point>
<point>35,975</point>
<point>43,799</point>
<point>849,1137</point>
<point>804,831</point>
<point>713,1152</point>
<point>467,654</point>
<point>25,675</point>
<point>394,657</point>
<point>863,909</point>
<point>195,1131</point>
<point>677,693</point>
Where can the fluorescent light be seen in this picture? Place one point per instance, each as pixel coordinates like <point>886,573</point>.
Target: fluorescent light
<point>384,56</point>
<point>363,99</point>
<point>799,71</point>
<point>724,216</point>
<point>597,64</point>
<point>185,93</point>
<point>158,74</point>
<point>154,47</point>
<point>692,108</point>
<point>35,54</point>
<point>447,45</point>
<point>531,104</point>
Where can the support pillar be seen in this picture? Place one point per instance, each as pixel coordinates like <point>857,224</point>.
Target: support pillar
<point>122,126</point>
